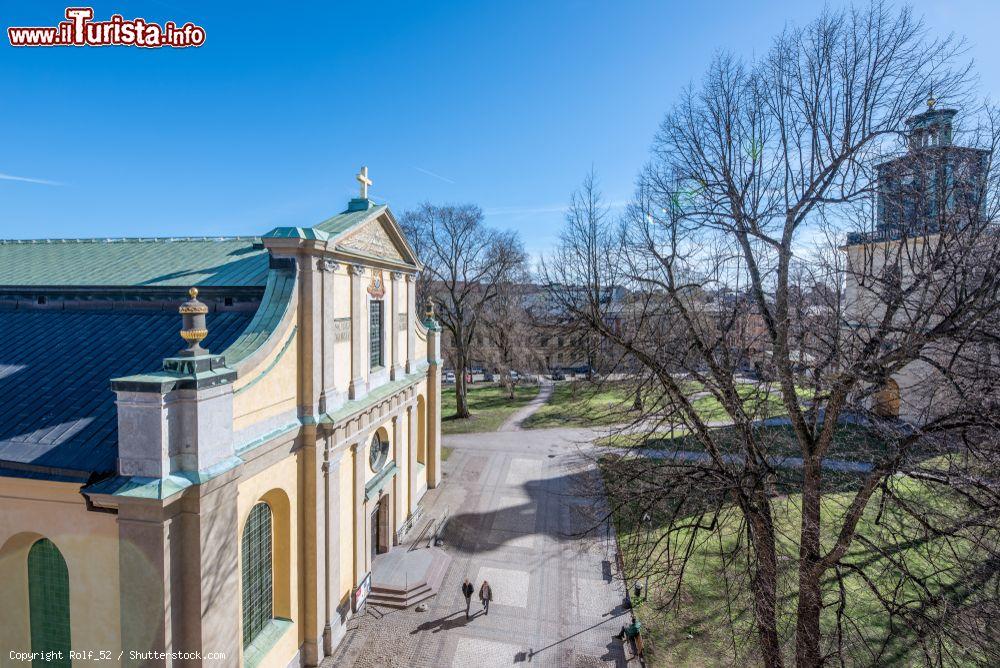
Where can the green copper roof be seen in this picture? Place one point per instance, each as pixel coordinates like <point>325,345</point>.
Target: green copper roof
<point>344,221</point>
<point>149,262</point>
<point>281,284</point>
<point>297,233</point>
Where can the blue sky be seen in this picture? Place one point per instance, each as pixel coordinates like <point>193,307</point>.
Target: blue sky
<point>506,105</point>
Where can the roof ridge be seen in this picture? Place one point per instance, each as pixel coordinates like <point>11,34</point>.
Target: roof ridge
<point>98,240</point>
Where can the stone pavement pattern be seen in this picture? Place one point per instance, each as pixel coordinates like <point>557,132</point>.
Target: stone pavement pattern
<point>525,511</point>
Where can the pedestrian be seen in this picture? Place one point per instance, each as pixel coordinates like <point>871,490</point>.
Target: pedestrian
<point>486,595</point>
<point>467,590</point>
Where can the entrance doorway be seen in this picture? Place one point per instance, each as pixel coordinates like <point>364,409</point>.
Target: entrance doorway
<point>380,527</point>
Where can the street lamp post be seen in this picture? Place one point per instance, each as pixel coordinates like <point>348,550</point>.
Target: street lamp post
<point>649,529</point>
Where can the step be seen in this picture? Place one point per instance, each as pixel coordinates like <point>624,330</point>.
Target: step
<point>410,593</point>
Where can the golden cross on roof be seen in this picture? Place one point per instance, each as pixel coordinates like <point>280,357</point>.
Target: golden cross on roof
<point>363,179</point>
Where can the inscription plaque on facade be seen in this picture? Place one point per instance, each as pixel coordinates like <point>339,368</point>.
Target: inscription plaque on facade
<point>341,329</point>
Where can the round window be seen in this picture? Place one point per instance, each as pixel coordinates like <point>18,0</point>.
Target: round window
<point>379,452</point>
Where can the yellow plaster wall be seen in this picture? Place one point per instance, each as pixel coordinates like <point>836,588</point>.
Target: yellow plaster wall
<point>341,294</point>
<point>88,541</point>
<point>278,485</point>
<point>421,344</point>
<point>271,394</point>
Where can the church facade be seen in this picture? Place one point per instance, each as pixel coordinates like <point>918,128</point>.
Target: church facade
<point>932,192</point>
<point>218,497</point>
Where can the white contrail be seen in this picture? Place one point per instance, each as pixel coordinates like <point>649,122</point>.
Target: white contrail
<point>26,179</point>
<point>436,176</point>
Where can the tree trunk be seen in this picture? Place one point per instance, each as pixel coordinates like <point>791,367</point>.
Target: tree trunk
<point>807,630</point>
<point>461,398</point>
<point>765,587</point>
<point>637,401</point>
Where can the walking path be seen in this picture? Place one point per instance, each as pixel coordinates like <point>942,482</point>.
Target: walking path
<point>514,422</point>
<point>525,513</point>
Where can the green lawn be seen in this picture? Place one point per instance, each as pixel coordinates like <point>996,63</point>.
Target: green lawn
<point>714,605</point>
<point>584,404</point>
<point>488,404</point>
<point>851,442</point>
<point>587,404</point>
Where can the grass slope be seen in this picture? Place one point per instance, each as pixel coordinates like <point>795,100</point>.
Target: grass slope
<point>488,404</point>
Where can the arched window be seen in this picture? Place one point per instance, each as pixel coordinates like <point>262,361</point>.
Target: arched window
<point>258,578</point>
<point>48,601</point>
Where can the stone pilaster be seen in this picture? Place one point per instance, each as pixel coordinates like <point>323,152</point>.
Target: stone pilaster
<point>359,453</point>
<point>411,460</point>
<point>337,610</point>
<point>311,336</point>
<point>399,449</point>
<point>211,585</point>
<point>411,323</point>
<point>144,573</point>
<point>314,547</point>
<point>433,455</point>
<point>329,398</point>
<point>396,372</point>
<point>179,588</point>
<point>359,328</point>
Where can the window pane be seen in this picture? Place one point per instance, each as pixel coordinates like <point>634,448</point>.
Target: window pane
<point>48,600</point>
<point>257,576</point>
<point>375,333</point>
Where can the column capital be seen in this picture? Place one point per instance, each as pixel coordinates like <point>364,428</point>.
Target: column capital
<point>326,264</point>
<point>397,275</point>
<point>356,269</point>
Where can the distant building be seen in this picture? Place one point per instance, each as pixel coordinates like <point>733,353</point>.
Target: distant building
<point>161,496</point>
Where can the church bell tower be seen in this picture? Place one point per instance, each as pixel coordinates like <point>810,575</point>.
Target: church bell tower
<point>934,185</point>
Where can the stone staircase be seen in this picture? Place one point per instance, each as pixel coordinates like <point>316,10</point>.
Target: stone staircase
<point>405,576</point>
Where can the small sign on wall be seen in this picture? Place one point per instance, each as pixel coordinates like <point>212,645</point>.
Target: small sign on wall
<point>361,593</point>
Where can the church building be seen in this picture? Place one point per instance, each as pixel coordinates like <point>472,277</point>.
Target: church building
<point>932,191</point>
<point>206,442</point>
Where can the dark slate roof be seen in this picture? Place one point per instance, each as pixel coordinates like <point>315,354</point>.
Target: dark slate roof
<point>57,411</point>
<point>149,262</point>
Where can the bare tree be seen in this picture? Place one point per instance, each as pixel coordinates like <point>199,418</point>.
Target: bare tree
<point>737,248</point>
<point>511,340</point>
<point>465,263</point>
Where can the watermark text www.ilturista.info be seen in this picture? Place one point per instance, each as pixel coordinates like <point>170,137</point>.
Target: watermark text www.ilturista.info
<point>79,29</point>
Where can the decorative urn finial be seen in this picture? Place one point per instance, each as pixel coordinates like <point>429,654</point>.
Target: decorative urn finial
<point>429,313</point>
<point>195,330</point>
<point>931,101</point>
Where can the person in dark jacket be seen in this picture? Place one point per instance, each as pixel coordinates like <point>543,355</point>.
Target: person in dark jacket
<point>467,590</point>
<point>486,595</point>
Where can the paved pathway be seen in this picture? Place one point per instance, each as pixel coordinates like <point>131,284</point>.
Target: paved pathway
<point>513,423</point>
<point>525,512</point>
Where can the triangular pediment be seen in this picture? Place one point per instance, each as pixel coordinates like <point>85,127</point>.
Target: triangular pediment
<point>379,238</point>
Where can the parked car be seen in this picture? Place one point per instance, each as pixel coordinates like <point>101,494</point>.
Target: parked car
<point>558,375</point>
<point>449,377</point>
<point>477,376</point>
